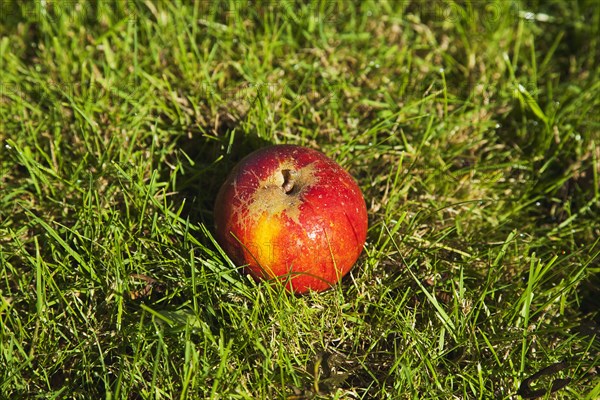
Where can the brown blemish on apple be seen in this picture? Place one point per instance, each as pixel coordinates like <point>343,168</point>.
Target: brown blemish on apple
<point>282,191</point>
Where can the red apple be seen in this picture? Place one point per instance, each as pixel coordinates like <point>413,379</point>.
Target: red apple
<point>290,213</point>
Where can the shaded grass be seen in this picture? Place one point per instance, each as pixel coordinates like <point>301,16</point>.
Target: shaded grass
<point>471,127</point>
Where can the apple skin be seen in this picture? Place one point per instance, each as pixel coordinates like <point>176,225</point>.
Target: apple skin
<point>290,213</point>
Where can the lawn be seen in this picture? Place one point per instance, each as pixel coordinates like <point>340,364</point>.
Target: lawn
<point>471,127</point>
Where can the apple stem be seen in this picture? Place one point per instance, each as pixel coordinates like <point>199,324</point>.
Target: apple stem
<point>288,180</point>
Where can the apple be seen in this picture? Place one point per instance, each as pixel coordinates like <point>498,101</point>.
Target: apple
<point>291,213</point>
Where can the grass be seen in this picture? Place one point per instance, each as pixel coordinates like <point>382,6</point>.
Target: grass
<point>471,127</point>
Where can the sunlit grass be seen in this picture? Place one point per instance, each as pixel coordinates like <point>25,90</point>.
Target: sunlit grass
<point>471,128</point>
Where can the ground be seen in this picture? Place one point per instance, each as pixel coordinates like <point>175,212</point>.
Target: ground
<point>470,126</point>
